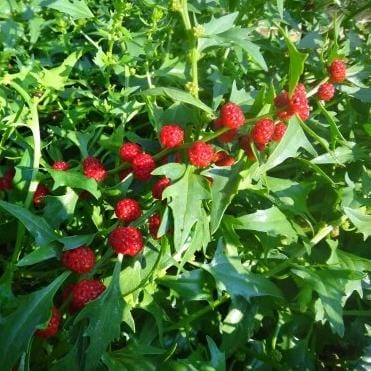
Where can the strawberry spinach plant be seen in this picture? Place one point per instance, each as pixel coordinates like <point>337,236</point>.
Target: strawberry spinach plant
<point>185,185</point>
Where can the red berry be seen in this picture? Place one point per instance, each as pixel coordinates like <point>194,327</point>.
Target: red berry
<point>143,165</point>
<point>222,158</point>
<point>171,136</point>
<point>245,143</point>
<point>279,131</point>
<point>226,137</point>
<point>299,102</point>
<point>79,260</point>
<point>93,168</point>
<point>201,154</point>
<point>127,210</point>
<point>282,100</point>
<point>53,325</point>
<point>126,240</point>
<point>262,132</point>
<point>40,193</point>
<point>61,165</point>
<point>232,115</point>
<point>85,291</point>
<point>154,223</point>
<point>6,181</point>
<point>326,91</point>
<point>338,71</point>
<point>129,150</point>
<point>159,187</point>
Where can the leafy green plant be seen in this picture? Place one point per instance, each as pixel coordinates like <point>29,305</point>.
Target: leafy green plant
<point>242,241</point>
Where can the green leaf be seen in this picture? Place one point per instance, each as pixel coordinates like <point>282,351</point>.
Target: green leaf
<point>59,209</point>
<point>219,25</point>
<point>231,276</point>
<point>173,171</point>
<point>191,285</point>
<point>297,61</point>
<point>70,242</point>
<point>361,221</point>
<point>178,95</point>
<point>35,224</point>
<point>105,315</point>
<point>57,77</point>
<point>293,139</point>
<point>271,221</point>
<point>217,360</point>
<point>38,255</point>
<point>77,9</point>
<point>280,8</point>
<point>74,179</point>
<point>185,200</point>
<point>32,311</point>
<point>330,286</point>
<point>223,189</point>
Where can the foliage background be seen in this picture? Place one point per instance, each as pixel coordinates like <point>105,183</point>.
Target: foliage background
<point>267,268</point>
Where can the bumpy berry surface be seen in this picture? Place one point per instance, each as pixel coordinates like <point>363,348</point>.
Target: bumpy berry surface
<point>338,71</point>
<point>201,154</point>
<point>232,116</point>
<point>52,327</point>
<point>326,91</point>
<point>143,165</point>
<point>126,240</point>
<point>40,193</point>
<point>85,291</point>
<point>299,102</point>
<point>279,131</point>
<point>61,165</point>
<point>128,151</point>
<point>154,223</point>
<point>79,260</point>
<point>262,132</point>
<point>226,137</point>
<point>171,136</point>
<point>159,187</point>
<point>282,100</point>
<point>127,210</point>
<point>93,168</point>
<point>222,158</point>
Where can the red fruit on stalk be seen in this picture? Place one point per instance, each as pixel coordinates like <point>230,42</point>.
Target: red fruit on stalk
<point>126,240</point>
<point>232,116</point>
<point>338,71</point>
<point>128,151</point>
<point>93,168</point>
<point>171,136</point>
<point>201,154</point>
<point>154,223</point>
<point>262,132</point>
<point>80,260</point>
<point>279,131</point>
<point>61,165</point>
<point>40,193</point>
<point>159,187</point>
<point>226,137</point>
<point>85,291</point>
<point>52,327</point>
<point>222,158</point>
<point>143,164</point>
<point>128,210</point>
<point>326,91</point>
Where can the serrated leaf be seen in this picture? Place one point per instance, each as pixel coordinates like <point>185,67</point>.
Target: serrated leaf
<point>223,189</point>
<point>16,329</point>
<point>77,9</point>
<point>361,221</point>
<point>105,315</point>
<point>173,171</point>
<point>36,225</point>
<point>57,77</point>
<point>178,95</point>
<point>232,277</point>
<point>293,139</point>
<point>73,179</point>
<point>185,200</point>
<point>271,221</point>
